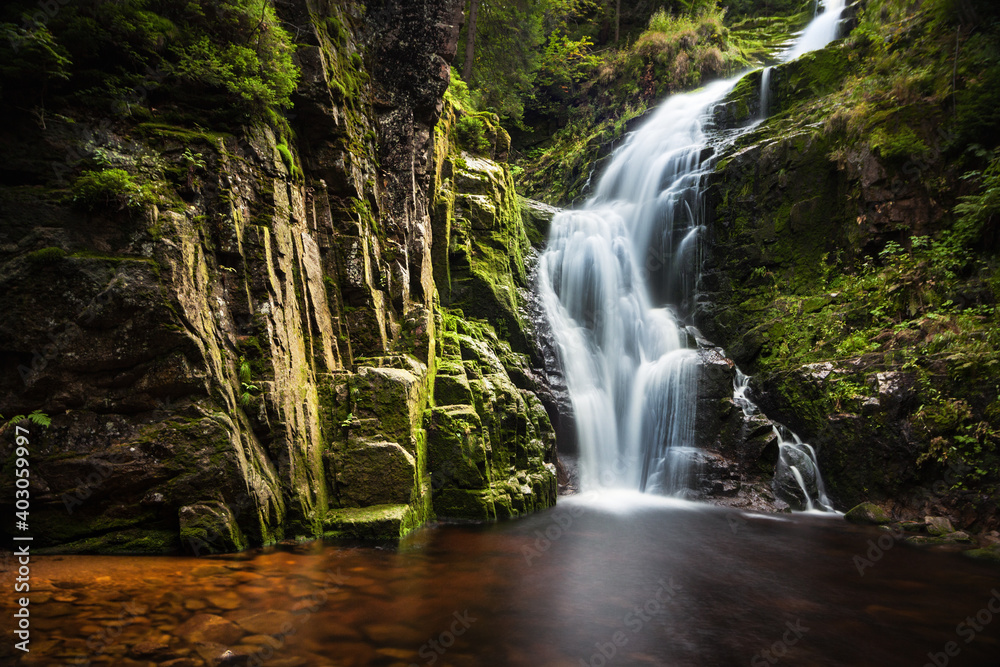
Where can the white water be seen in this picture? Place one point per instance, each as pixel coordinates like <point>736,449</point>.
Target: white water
<point>796,459</point>
<point>765,91</point>
<point>821,30</point>
<point>605,273</point>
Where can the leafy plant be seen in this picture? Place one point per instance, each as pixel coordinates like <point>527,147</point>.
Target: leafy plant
<point>471,134</point>
<point>35,417</point>
<point>248,391</point>
<point>111,189</point>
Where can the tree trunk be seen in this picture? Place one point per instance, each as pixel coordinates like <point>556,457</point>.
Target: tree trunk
<point>470,41</point>
<point>618,18</point>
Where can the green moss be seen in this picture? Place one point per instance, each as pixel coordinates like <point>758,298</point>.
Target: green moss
<point>50,255</point>
<point>112,189</point>
<point>377,522</point>
<point>122,542</point>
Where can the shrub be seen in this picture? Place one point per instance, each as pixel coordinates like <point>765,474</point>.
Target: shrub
<point>471,133</point>
<point>111,189</point>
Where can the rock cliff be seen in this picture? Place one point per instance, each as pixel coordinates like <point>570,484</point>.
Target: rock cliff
<point>235,323</point>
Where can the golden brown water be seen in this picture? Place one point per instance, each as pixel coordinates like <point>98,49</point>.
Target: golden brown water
<point>656,584</point>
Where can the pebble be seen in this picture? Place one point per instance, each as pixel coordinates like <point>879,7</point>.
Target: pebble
<point>267,622</point>
<point>226,601</point>
<point>209,628</point>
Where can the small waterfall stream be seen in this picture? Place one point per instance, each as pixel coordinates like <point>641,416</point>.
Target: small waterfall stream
<point>615,279</point>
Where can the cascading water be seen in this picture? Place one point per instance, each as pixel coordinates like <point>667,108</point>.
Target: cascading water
<point>765,92</point>
<point>821,30</point>
<point>797,475</point>
<point>631,375</point>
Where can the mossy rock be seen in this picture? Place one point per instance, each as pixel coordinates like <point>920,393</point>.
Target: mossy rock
<point>133,541</point>
<point>210,527</point>
<point>378,522</point>
<point>465,504</point>
<point>868,514</point>
<point>375,473</point>
<point>987,554</point>
<point>456,448</point>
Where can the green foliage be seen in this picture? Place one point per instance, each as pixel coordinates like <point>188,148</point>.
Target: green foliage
<point>897,146</point>
<point>457,93</point>
<point>31,56</point>
<point>244,370</point>
<point>980,212</point>
<point>594,103</point>
<point>471,134</point>
<point>565,62</point>
<point>508,39</point>
<point>248,391</point>
<point>36,417</point>
<point>243,50</point>
<point>46,255</point>
<point>232,58</point>
<point>110,189</point>
<point>289,160</point>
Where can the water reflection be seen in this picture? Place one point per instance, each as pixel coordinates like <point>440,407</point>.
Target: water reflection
<point>598,581</point>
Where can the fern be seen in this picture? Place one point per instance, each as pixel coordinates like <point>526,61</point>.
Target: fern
<point>37,417</point>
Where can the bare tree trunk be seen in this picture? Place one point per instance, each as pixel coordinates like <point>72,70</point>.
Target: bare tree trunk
<point>470,42</point>
<point>618,18</point>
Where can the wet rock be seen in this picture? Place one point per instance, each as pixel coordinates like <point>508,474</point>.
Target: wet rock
<point>394,634</point>
<point>959,537</point>
<point>537,217</point>
<point>375,473</point>
<point>151,650</point>
<point>210,527</point>
<point>896,390</point>
<point>868,514</point>
<point>179,662</point>
<point>787,485</point>
<point>911,526</point>
<point>216,655</point>
<point>938,525</point>
<point>263,640</point>
<point>987,554</point>
<point>272,622</point>
<point>928,540</point>
<point>209,628</point>
<point>228,600</point>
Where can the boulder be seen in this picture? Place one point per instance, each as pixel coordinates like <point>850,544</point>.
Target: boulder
<point>868,514</point>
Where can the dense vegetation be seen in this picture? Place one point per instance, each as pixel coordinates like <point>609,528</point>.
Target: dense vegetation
<point>227,59</point>
<point>566,89</point>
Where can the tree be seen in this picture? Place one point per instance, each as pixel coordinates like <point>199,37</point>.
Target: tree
<point>618,18</point>
<point>470,41</point>
<point>503,41</point>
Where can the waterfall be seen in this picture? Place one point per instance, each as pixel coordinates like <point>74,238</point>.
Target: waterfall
<point>821,30</point>
<point>797,475</point>
<point>614,281</point>
<point>765,92</point>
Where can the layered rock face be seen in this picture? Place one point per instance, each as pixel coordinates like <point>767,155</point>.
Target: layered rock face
<point>836,272</point>
<point>258,352</point>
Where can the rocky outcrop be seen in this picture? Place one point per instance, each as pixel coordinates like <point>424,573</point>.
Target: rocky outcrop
<point>826,224</point>
<point>250,352</point>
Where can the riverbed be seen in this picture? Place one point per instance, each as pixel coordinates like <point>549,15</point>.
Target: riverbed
<point>614,579</point>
